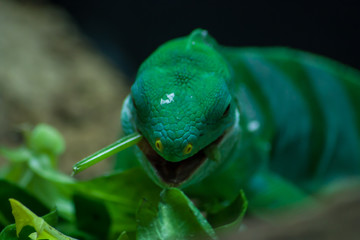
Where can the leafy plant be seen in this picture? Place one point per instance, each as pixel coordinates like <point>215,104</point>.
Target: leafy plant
<point>121,205</point>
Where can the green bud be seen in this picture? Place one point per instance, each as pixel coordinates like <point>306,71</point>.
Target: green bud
<point>46,139</point>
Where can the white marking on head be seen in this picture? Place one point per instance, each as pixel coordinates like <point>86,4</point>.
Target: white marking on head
<point>170,98</point>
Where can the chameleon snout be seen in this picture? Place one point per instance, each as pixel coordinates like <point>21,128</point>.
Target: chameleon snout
<point>160,147</point>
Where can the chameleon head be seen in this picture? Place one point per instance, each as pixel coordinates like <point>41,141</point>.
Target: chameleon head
<point>181,103</point>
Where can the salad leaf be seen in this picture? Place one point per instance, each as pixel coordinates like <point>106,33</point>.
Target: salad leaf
<point>176,218</point>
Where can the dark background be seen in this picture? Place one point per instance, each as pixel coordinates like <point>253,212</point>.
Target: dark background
<point>127,31</point>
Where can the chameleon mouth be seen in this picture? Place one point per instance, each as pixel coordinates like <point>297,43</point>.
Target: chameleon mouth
<point>174,173</point>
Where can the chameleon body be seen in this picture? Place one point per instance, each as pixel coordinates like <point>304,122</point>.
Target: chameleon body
<point>279,123</point>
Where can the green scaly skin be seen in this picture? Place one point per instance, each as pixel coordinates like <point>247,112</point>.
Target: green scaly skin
<point>276,122</point>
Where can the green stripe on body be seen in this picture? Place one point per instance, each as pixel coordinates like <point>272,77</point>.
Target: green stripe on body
<point>349,78</point>
<point>292,117</point>
<point>341,154</point>
<point>290,63</point>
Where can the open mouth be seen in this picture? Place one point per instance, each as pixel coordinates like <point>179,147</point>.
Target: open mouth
<point>174,173</point>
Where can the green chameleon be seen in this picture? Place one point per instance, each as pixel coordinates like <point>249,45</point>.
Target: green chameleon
<point>278,123</point>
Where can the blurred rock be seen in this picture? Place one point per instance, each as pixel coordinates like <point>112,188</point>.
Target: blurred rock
<point>50,73</point>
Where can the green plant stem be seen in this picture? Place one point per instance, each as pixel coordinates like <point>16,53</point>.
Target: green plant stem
<point>106,152</point>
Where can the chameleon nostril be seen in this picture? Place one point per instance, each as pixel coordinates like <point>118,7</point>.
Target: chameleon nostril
<point>188,148</point>
<point>159,145</point>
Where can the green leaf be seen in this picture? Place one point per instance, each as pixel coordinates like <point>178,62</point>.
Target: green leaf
<point>24,217</point>
<point>10,190</point>
<point>52,218</point>
<point>121,192</point>
<point>123,236</point>
<point>71,230</point>
<point>27,233</point>
<point>96,222</point>
<point>126,159</point>
<point>40,164</point>
<point>230,218</point>
<point>21,154</point>
<point>16,170</point>
<point>9,233</point>
<point>176,218</point>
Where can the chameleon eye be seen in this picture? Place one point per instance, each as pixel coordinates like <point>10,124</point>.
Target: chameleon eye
<point>159,145</point>
<point>188,148</point>
<point>227,110</point>
<point>133,102</point>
